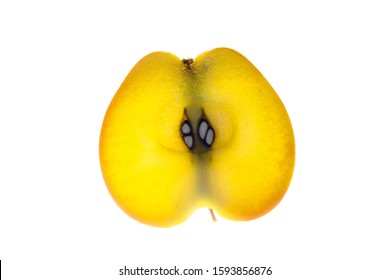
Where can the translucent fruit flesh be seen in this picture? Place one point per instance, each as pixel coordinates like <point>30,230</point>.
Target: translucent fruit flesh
<point>154,176</point>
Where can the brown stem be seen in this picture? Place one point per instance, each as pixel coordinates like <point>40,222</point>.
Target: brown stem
<point>212,215</point>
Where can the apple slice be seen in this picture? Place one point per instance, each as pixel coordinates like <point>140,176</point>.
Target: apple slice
<point>180,135</point>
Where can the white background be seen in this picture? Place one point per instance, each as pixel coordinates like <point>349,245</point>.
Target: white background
<point>62,62</point>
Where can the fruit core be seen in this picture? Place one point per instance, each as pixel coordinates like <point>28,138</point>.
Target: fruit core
<point>200,140</point>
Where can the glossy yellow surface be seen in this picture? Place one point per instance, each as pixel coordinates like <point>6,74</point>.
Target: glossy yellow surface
<point>151,173</point>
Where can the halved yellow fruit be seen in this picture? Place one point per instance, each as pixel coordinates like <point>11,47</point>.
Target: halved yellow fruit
<point>184,134</point>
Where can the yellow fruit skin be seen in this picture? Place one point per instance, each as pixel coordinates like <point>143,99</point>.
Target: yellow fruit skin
<point>151,173</point>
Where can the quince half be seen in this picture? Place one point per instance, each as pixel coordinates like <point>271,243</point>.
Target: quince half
<point>185,134</point>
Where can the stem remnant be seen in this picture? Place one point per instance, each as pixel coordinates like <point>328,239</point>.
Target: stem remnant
<point>212,215</point>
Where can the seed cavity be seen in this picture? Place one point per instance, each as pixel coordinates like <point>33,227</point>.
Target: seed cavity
<point>186,128</point>
<point>203,140</point>
<point>203,129</point>
<point>187,135</point>
<point>189,141</point>
<point>206,132</point>
<point>209,137</point>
